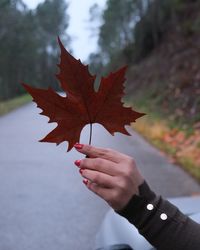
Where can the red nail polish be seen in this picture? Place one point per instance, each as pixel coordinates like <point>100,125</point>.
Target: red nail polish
<point>85,181</point>
<point>77,163</point>
<point>81,170</point>
<point>78,146</point>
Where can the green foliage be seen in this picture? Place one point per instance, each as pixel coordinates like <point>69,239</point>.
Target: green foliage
<point>96,64</point>
<point>28,50</point>
<point>9,105</point>
<point>166,84</point>
<point>189,165</point>
<point>119,19</point>
<point>133,28</point>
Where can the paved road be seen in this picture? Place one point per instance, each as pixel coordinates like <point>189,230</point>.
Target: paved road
<point>43,203</point>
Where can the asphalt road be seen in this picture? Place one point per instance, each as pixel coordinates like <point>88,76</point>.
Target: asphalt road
<point>43,203</point>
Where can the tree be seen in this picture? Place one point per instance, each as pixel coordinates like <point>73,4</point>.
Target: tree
<point>48,31</point>
<point>28,44</point>
<point>131,29</point>
<point>119,18</point>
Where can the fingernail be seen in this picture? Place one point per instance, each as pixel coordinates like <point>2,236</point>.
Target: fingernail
<point>81,170</point>
<point>77,163</point>
<point>85,181</point>
<point>78,145</point>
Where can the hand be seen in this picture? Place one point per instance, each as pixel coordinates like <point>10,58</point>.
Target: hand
<point>110,174</point>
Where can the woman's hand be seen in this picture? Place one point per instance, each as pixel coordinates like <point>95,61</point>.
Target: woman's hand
<point>111,175</point>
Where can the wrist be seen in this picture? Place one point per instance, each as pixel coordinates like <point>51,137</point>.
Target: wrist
<point>138,201</point>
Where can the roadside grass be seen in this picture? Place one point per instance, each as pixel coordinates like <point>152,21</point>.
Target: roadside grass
<point>181,145</point>
<point>9,105</point>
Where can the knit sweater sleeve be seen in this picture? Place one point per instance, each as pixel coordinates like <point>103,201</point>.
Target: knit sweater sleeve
<point>160,222</point>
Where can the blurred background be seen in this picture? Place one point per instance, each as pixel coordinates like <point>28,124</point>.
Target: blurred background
<point>43,202</point>
<point>158,39</point>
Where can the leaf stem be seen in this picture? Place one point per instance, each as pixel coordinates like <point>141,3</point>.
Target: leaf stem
<point>90,140</point>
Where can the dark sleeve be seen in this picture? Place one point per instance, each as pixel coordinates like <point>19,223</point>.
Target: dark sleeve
<point>160,222</point>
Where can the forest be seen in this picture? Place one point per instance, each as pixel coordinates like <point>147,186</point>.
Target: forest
<point>160,42</point>
<point>28,44</point>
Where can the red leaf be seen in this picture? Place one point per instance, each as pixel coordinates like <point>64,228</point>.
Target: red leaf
<point>82,105</point>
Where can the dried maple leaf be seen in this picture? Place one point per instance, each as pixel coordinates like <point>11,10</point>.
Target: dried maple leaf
<point>83,105</point>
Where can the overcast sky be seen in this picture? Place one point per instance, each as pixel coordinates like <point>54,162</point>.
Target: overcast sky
<point>78,10</point>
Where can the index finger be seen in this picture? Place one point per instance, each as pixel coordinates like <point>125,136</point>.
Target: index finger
<point>104,153</point>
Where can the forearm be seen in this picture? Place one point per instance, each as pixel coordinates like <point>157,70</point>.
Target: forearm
<point>115,177</point>
<point>160,222</point>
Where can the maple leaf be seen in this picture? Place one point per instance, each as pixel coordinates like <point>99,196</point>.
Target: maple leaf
<point>82,105</point>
